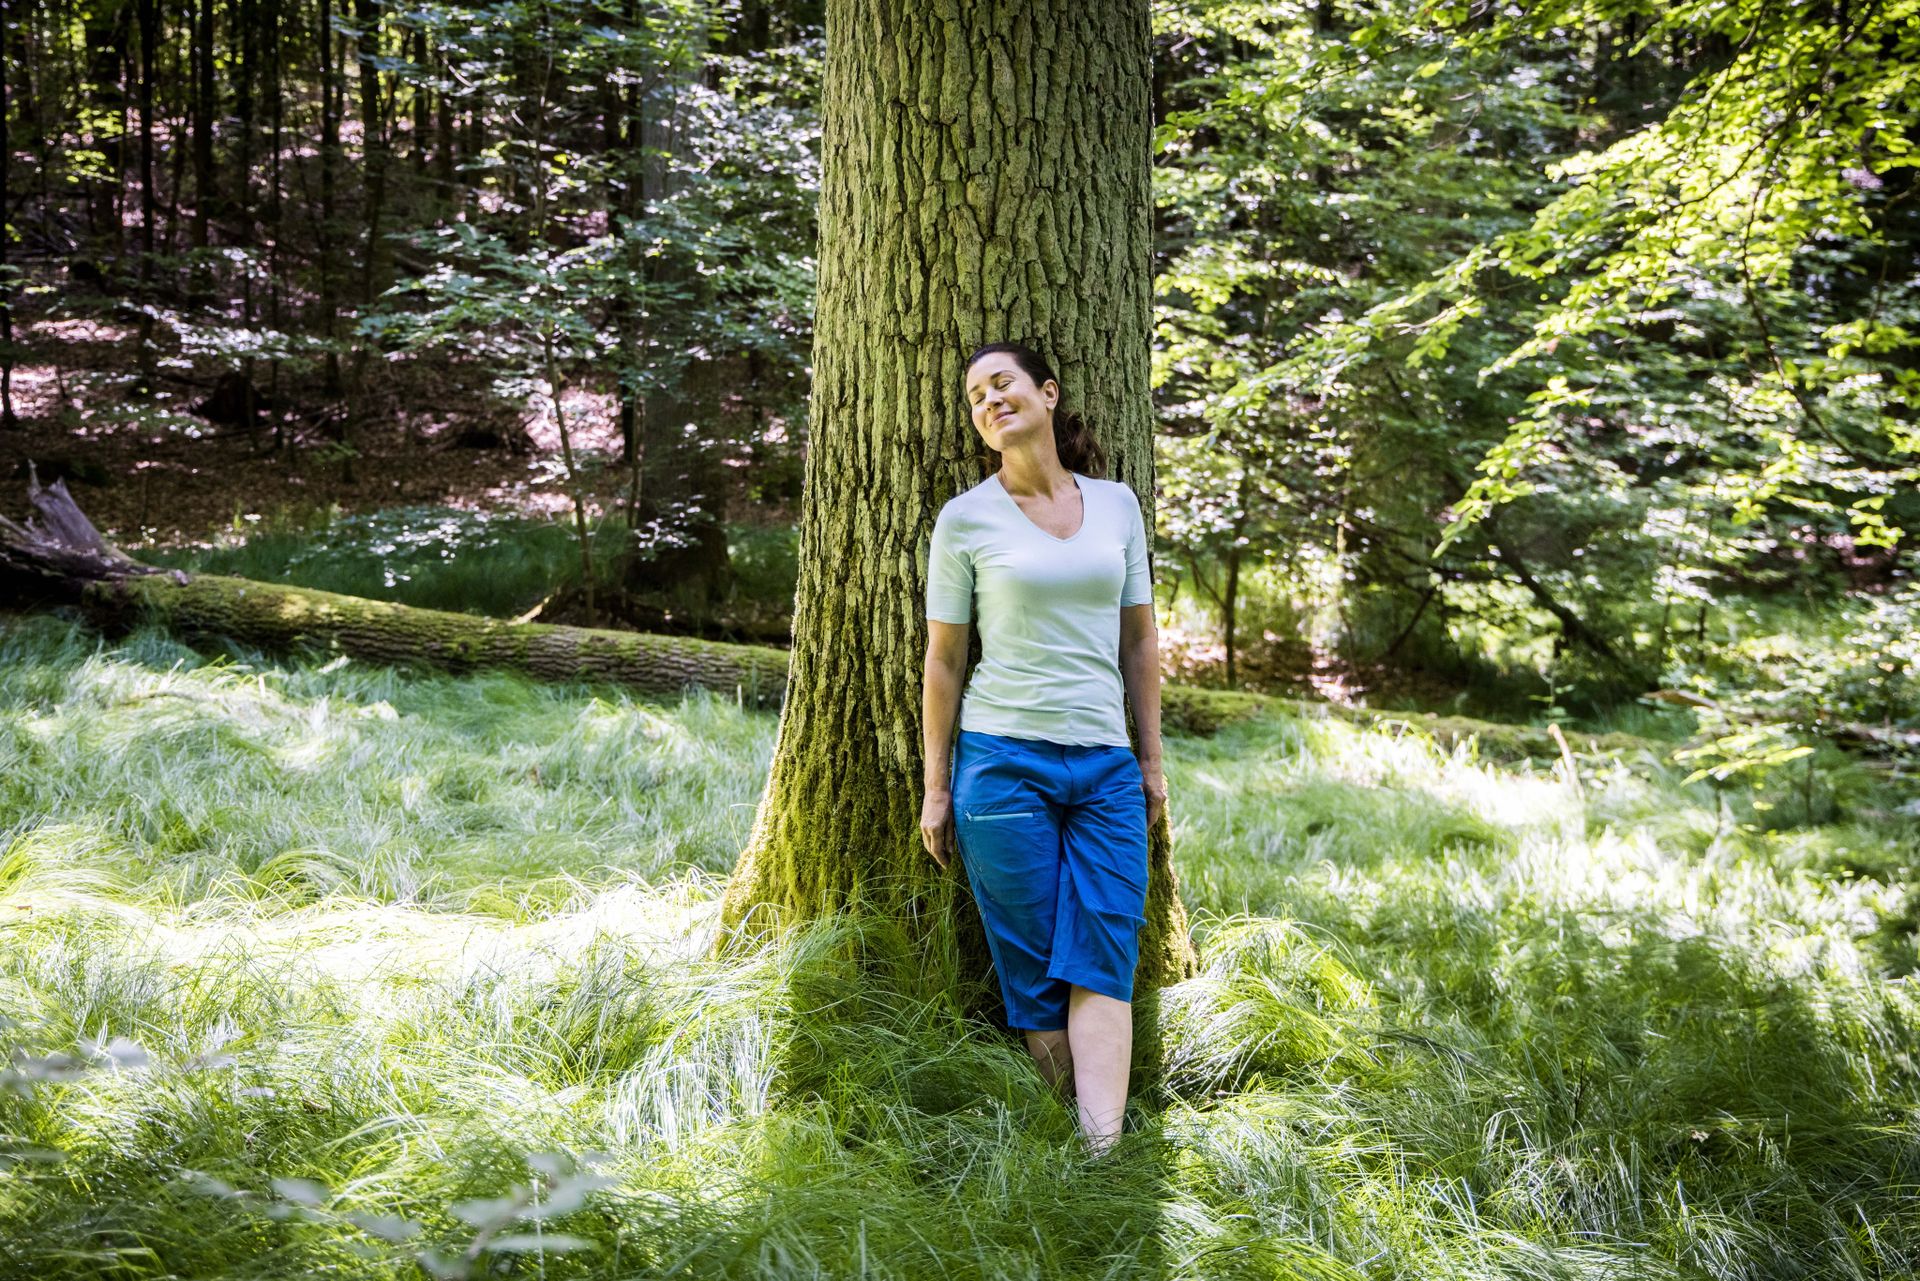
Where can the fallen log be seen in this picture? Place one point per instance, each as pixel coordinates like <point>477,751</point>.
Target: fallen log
<point>58,557</point>
<point>274,616</point>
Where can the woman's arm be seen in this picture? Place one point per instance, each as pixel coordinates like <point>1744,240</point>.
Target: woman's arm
<point>946,668</point>
<point>1140,669</point>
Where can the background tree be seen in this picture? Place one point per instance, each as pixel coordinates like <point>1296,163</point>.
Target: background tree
<point>6,222</point>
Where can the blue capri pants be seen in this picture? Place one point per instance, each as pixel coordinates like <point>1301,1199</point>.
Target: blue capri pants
<point>1053,837</point>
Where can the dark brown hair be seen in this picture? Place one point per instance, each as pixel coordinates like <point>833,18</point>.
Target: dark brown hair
<point>1072,438</point>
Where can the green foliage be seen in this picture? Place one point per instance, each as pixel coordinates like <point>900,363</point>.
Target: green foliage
<point>1529,340</point>
<point>640,255</point>
<point>1768,173</point>
<point>1311,177</point>
<point>1779,694</point>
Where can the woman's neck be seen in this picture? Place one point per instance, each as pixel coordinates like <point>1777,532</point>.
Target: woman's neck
<point>1027,474</point>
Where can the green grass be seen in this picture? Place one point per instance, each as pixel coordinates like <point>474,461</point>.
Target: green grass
<point>449,558</point>
<point>329,970</point>
<point>429,557</point>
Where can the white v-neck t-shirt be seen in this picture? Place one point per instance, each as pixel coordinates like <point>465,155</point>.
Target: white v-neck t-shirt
<point>1048,609</point>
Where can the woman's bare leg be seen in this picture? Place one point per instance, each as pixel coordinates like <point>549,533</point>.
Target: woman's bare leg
<point>1100,1041</point>
<point>1050,1051</point>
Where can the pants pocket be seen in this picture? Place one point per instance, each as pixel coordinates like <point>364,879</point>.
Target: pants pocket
<point>979,817</point>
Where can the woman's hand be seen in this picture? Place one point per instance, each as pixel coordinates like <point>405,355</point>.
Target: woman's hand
<point>1154,784</point>
<point>936,825</point>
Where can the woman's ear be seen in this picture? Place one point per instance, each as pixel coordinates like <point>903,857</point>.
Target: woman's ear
<point>1051,390</point>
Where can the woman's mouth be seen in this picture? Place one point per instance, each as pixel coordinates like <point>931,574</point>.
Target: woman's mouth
<point>1005,413</point>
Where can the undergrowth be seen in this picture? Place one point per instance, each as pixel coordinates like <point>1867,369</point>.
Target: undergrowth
<point>329,970</point>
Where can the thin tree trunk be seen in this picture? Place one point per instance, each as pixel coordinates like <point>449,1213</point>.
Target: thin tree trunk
<point>623,205</point>
<point>984,176</point>
<point>376,152</point>
<point>1221,598</point>
<point>443,158</point>
<point>555,384</point>
<point>149,35</point>
<point>31,93</point>
<point>275,107</point>
<point>242,13</point>
<point>1574,628</point>
<point>1407,630</point>
<point>7,421</point>
<point>204,194</point>
<point>626,205</point>
<point>177,183</point>
<point>471,138</point>
<point>1230,614</point>
<point>422,104</point>
<point>249,70</point>
<point>105,37</point>
<point>329,159</point>
<point>373,139</point>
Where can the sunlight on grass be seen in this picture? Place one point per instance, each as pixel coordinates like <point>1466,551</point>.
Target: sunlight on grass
<point>321,968</point>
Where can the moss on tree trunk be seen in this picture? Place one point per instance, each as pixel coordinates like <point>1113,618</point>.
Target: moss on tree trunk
<point>274,616</point>
<point>985,177</point>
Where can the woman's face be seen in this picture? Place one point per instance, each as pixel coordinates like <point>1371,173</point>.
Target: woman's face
<point>1007,408</point>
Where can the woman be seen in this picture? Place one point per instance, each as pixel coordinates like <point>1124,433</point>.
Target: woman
<point>1043,795</point>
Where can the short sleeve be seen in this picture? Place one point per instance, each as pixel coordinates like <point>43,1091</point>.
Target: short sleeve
<point>949,573</point>
<point>1138,589</point>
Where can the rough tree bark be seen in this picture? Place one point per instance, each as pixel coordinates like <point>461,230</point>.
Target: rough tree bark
<point>985,177</point>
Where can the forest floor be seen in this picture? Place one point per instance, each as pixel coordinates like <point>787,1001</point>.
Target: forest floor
<point>152,471</point>
<point>327,969</point>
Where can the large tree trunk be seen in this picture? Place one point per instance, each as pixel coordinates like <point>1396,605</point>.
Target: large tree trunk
<point>60,556</point>
<point>985,176</point>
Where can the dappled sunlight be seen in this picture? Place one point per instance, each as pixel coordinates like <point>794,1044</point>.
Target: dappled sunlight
<point>1518,400</point>
<point>411,932</point>
<point>37,390</point>
<point>298,782</point>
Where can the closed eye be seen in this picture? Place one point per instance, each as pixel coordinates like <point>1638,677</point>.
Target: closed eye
<point>1005,379</point>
